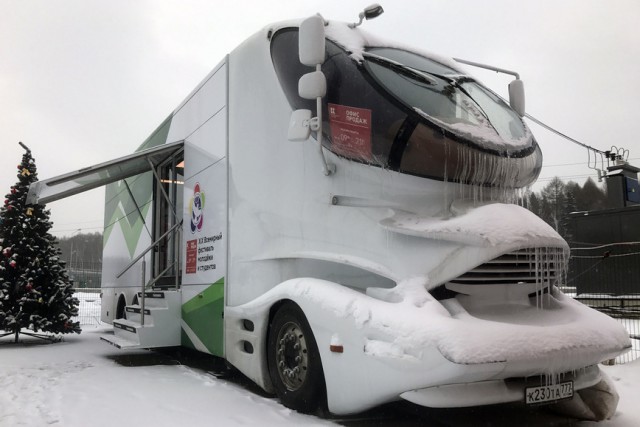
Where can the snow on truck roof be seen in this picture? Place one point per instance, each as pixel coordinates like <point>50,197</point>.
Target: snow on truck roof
<point>356,40</point>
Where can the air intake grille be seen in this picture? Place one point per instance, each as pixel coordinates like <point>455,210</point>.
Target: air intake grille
<point>532,265</point>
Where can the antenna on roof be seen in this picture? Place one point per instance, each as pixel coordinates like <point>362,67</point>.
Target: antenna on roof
<point>369,12</point>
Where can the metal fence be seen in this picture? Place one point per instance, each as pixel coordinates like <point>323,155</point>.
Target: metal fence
<point>85,274</point>
<point>607,278</point>
<point>89,308</point>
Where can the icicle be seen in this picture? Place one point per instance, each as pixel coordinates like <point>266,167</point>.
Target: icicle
<point>537,275</point>
<point>482,176</point>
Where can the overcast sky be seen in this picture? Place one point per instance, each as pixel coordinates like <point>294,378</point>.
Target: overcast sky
<point>85,81</point>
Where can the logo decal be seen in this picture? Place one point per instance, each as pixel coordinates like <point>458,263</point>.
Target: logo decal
<point>196,206</point>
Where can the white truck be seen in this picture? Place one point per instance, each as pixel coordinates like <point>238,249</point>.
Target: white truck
<point>334,214</point>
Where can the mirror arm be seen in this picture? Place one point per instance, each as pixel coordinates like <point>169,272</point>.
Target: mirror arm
<point>316,123</point>
<point>355,24</point>
<point>488,67</point>
<point>516,88</point>
<point>369,12</point>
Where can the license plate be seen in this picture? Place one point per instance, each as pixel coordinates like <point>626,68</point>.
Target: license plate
<point>548,393</point>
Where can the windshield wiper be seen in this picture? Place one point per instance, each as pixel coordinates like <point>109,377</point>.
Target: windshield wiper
<point>421,75</point>
<point>427,77</point>
<point>415,74</point>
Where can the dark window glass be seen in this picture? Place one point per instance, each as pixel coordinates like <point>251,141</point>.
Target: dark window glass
<point>348,87</point>
<point>455,102</point>
<point>407,112</point>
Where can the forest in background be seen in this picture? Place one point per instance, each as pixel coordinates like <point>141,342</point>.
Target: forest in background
<point>82,254</point>
<point>558,199</point>
<point>81,248</point>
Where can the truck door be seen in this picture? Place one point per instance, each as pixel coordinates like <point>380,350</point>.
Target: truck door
<point>168,213</point>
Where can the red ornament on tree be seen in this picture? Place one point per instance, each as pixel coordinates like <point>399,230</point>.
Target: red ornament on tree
<point>13,263</point>
<point>7,252</point>
<point>28,287</point>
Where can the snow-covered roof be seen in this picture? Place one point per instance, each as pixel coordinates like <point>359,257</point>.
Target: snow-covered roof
<point>356,40</point>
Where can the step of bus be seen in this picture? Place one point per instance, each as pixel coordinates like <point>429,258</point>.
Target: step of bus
<point>133,312</point>
<point>148,336</point>
<point>157,298</point>
<point>151,314</point>
<point>161,327</point>
<point>126,330</point>
<point>120,342</point>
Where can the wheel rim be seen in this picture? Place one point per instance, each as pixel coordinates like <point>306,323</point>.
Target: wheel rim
<point>291,356</point>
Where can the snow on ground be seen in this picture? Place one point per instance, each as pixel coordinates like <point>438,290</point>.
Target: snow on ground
<point>84,381</point>
<point>627,380</point>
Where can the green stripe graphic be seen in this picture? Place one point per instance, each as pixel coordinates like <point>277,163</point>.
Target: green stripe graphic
<point>203,314</point>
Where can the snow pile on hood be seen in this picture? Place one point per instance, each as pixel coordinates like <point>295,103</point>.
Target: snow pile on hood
<point>530,335</point>
<point>489,225</point>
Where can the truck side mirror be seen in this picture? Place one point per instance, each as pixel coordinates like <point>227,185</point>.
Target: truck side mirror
<point>516,96</point>
<point>311,50</point>
<point>311,44</point>
<point>299,125</point>
<point>312,85</point>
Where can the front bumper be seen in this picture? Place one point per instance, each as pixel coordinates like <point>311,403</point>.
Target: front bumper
<point>492,392</point>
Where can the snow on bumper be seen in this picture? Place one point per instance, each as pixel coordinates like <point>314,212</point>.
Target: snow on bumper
<point>559,336</point>
<point>395,347</point>
<point>391,348</point>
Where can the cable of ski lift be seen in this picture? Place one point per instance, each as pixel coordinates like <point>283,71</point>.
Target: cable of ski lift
<point>614,155</point>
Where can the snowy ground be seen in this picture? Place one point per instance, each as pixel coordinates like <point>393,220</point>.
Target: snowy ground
<point>83,381</point>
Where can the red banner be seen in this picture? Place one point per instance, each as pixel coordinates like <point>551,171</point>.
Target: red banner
<point>350,131</point>
<point>192,256</point>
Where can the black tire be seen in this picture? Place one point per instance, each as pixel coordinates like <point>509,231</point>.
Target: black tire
<point>120,310</point>
<point>294,362</point>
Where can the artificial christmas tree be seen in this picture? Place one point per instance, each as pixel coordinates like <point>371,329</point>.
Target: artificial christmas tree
<point>35,292</point>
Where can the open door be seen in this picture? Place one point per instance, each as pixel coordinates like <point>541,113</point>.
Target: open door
<point>169,190</point>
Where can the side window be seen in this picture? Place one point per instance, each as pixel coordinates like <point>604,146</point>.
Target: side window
<point>284,54</point>
<point>359,122</point>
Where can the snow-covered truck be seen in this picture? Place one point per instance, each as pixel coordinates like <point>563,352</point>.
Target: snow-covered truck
<point>335,215</point>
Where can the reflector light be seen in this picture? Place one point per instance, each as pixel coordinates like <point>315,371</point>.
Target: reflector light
<point>336,348</point>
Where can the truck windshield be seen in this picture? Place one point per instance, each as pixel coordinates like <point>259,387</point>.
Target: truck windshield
<point>447,98</point>
<point>400,111</point>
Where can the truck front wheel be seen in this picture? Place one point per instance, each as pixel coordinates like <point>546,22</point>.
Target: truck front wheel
<point>294,362</point>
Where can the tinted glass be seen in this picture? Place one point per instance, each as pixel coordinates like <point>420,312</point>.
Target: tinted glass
<point>410,121</point>
<point>456,102</point>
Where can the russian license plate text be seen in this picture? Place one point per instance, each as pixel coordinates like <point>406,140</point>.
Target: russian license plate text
<point>548,393</point>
